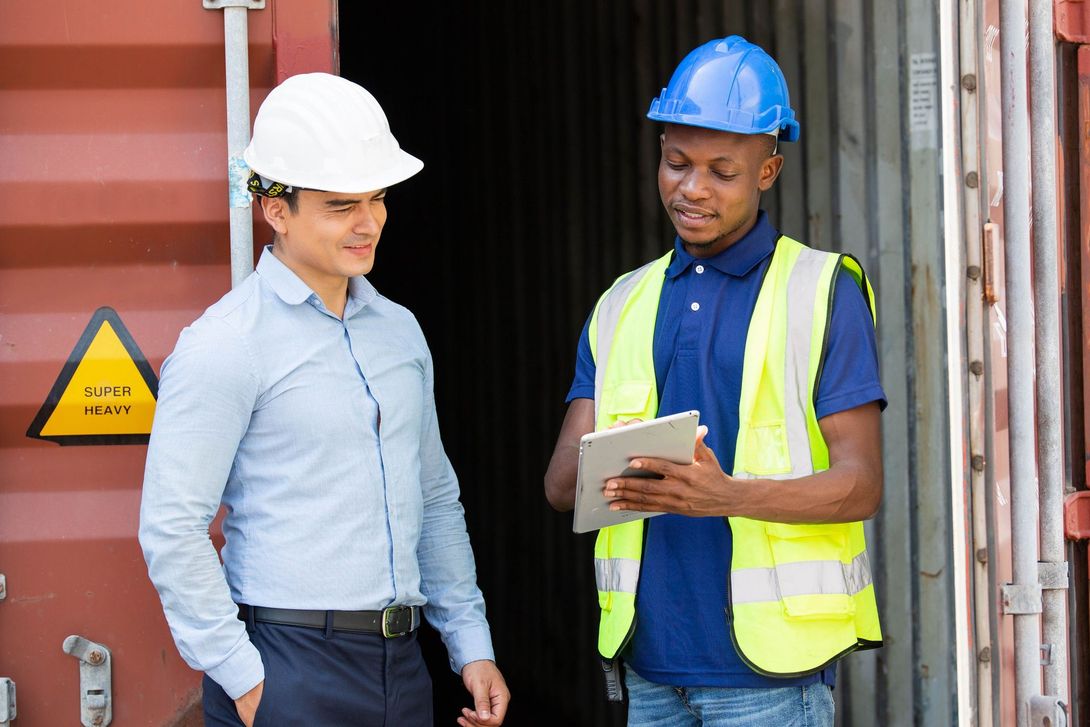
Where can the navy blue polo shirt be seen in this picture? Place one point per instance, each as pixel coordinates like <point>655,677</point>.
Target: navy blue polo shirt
<point>681,637</point>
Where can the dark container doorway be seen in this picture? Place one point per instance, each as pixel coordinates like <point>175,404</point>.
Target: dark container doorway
<point>538,189</point>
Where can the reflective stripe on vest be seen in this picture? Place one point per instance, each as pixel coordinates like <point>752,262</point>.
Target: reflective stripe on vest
<point>825,577</point>
<point>800,595</point>
<point>619,575</point>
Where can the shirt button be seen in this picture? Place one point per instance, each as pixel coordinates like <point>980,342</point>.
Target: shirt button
<point>699,269</point>
<point>695,306</point>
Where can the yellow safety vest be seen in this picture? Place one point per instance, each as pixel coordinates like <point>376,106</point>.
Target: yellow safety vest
<point>799,596</point>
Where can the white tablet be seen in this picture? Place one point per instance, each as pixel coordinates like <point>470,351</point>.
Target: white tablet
<point>606,454</point>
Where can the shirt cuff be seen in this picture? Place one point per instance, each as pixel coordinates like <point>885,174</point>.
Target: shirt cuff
<point>470,644</point>
<point>240,672</point>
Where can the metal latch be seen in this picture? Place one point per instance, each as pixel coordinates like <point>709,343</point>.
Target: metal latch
<point>1021,599</point>
<point>96,704</point>
<point>1047,711</point>
<point>7,701</point>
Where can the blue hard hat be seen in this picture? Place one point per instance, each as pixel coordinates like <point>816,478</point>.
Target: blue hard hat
<point>728,85</point>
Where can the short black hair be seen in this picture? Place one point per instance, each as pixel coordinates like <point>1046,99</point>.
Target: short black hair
<point>771,144</point>
<point>292,198</point>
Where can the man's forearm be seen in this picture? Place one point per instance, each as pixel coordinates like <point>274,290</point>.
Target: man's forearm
<point>560,477</point>
<point>850,490</point>
<point>564,465</point>
<point>842,494</point>
<point>203,618</point>
<point>448,580</point>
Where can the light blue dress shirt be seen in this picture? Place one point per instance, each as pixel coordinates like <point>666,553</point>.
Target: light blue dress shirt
<point>319,435</point>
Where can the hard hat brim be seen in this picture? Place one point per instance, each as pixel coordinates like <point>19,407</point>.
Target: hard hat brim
<point>404,165</point>
<point>789,131</point>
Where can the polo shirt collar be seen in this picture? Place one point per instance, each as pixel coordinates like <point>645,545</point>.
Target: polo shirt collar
<point>291,289</point>
<point>737,260</point>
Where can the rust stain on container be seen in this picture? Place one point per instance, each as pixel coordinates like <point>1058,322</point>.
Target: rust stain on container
<point>113,193</point>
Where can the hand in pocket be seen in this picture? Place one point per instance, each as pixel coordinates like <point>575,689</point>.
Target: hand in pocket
<point>247,704</point>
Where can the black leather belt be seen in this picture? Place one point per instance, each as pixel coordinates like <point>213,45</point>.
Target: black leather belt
<point>390,622</point>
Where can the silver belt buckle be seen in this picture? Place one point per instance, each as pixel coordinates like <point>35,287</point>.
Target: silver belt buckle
<point>387,632</point>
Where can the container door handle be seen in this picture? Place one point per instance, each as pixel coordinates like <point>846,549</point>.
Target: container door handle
<point>7,701</point>
<point>96,704</point>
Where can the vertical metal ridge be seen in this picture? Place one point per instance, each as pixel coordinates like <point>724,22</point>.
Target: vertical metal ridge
<point>910,386</point>
<point>836,237</point>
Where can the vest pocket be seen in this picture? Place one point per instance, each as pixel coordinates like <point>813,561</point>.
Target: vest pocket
<point>809,570</point>
<point>627,400</point>
<point>766,449</point>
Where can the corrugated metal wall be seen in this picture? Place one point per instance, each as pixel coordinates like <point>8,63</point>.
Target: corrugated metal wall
<point>113,192</point>
<point>539,188</point>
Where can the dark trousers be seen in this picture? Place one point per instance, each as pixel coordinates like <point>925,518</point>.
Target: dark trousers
<point>315,679</point>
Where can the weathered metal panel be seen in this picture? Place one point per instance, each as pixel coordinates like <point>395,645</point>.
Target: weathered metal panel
<point>853,233</point>
<point>1074,103</point>
<point>997,460</point>
<point>817,78</point>
<point>112,192</point>
<point>787,34</point>
<point>1082,101</point>
<point>894,692</point>
<point>979,644</point>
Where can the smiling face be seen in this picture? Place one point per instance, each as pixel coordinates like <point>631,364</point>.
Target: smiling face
<point>711,181</point>
<point>329,238</point>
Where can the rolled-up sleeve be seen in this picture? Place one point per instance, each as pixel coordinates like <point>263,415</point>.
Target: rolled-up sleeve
<point>455,606</point>
<point>207,393</point>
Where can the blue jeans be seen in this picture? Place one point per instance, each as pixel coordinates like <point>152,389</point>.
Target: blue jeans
<point>659,705</point>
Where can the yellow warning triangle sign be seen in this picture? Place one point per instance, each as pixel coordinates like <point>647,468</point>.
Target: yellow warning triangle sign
<point>105,393</point>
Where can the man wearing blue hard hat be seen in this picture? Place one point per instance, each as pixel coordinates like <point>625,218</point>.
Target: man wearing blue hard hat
<point>733,607</point>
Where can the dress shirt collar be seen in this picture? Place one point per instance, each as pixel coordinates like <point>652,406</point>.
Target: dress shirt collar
<point>738,259</point>
<point>291,289</point>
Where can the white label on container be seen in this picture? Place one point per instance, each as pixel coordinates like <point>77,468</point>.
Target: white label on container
<point>923,92</point>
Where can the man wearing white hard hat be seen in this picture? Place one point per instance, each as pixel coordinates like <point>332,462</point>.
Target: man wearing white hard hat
<point>302,400</point>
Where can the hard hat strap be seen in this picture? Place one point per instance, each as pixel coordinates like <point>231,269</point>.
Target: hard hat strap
<point>258,184</point>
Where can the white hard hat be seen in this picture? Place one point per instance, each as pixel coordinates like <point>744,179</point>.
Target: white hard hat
<point>319,131</point>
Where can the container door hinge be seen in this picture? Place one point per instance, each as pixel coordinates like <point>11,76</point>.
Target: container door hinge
<point>96,704</point>
<point>1047,711</point>
<point>3,586</point>
<point>7,701</point>
<point>1020,600</point>
<point>1052,576</point>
